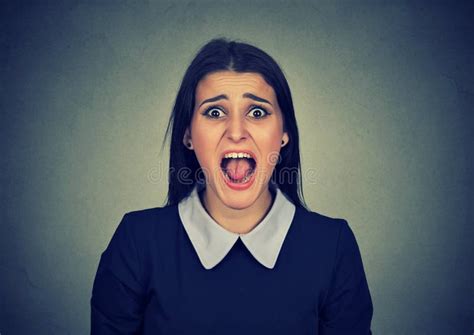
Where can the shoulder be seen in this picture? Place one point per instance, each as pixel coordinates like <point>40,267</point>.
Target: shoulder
<point>308,220</point>
<point>329,239</point>
<point>143,223</point>
<point>150,216</point>
<point>140,232</point>
<point>320,231</point>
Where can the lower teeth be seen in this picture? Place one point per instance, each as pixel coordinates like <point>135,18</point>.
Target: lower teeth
<point>243,181</point>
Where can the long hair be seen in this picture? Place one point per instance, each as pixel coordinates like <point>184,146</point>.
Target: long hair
<point>220,55</point>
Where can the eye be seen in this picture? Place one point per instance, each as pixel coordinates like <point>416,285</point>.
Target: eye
<point>213,112</point>
<point>258,112</point>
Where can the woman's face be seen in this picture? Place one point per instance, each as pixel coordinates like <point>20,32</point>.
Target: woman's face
<point>236,113</point>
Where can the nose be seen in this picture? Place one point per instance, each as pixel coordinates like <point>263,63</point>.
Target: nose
<point>236,129</point>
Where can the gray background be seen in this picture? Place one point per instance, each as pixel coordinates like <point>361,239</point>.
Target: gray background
<point>383,94</point>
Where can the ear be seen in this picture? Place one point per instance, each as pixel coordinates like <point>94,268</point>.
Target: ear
<point>187,139</point>
<point>285,139</point>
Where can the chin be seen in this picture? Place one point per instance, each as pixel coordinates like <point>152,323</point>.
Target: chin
<point>240,199</point>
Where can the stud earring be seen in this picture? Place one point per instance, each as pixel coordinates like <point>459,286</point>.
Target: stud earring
<point>189,145</point>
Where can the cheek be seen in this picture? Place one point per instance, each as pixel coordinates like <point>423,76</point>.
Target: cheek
<point>270,146</point>
<point>204,144</point>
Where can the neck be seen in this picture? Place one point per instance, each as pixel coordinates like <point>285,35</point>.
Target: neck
<point>240,221</point>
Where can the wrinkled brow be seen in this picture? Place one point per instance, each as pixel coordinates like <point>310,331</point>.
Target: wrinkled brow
<point>245,95</point>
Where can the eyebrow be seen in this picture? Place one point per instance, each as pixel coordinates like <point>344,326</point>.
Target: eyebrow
<point>245,95</point>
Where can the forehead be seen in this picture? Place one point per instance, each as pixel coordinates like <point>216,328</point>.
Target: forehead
<point>230,82</point>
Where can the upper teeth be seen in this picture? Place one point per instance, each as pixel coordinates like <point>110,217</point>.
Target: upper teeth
<point>237,155</point>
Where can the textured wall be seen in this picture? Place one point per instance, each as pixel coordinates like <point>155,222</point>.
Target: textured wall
<point>384,100</point>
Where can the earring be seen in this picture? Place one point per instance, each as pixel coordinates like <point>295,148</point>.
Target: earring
<point>189,145</point>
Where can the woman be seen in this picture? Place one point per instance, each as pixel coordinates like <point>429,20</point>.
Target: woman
<point>234,251</point>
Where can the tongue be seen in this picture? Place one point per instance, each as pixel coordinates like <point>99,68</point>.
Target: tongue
<point>237,168</point>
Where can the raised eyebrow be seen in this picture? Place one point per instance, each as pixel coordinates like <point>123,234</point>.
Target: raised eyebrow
<point>216,98</point>
<point>256,98</point>
<point>245,95</point>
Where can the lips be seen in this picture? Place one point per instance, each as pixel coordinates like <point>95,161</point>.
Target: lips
<point>221,158</point>
<point>238,170</point>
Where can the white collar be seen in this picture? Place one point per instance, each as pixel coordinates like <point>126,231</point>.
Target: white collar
<point>212,242</point>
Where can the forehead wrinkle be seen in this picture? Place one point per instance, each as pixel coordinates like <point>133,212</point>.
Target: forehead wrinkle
<point>247,87</point>
<point>237,82</point>
<point>236,79</point>
<point>217,83</point>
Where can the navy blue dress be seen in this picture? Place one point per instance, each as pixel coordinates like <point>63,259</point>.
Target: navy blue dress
<point>150,281</point>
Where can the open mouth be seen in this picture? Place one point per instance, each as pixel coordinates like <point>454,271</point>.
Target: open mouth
<point>238,170</point>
